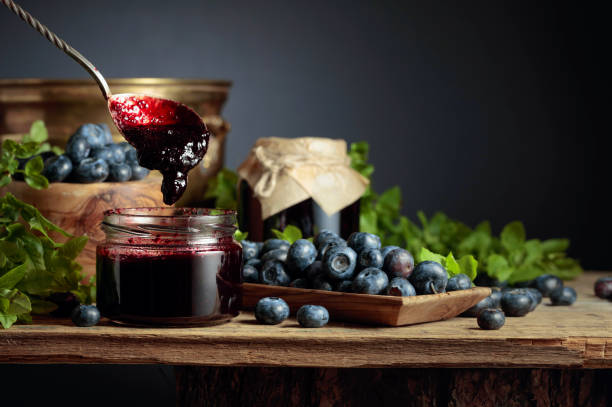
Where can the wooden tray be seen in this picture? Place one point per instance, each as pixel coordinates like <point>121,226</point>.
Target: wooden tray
<point>371,309</point>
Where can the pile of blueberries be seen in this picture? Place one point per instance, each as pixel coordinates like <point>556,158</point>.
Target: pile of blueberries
<point>519,301</point>
<point>91,156</point>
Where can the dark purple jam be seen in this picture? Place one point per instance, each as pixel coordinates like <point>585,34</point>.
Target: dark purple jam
<point>170,285</point>
<point>168,136</point>
<point>306,215</point>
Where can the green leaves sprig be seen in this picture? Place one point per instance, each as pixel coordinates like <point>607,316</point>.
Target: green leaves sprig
<point>467,264</point>
<point>290,233</point>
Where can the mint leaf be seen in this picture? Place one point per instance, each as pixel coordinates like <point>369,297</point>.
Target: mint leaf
<point>240,236</point>
<point>42,307</point>
<point>38,133</point>
<point>290,234</point>
<point>36,181</point>
<point>13,277</point>
<point>469,266</point>
<point>513,235</point>
<point>555,245</point>
<point>5,180</point>
<point>34,166</point>
<point>73,247</point>
<point>425,255</point>
<point>7,320</point>
<point>498,267</point>
<point>451,265</point>
<point>223,189</point>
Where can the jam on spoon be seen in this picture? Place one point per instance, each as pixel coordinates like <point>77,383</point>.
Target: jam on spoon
<point>168,136</point>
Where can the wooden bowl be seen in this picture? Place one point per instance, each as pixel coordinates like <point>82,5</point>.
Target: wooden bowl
<point>78,208</point>
<point>371,309</point>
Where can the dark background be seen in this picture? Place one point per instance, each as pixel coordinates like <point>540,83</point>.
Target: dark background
<point>483,109</point>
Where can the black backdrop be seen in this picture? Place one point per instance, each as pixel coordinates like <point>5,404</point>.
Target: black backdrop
<point>484,109</point>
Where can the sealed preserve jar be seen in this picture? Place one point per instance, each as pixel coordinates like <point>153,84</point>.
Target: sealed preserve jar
<point>169,266</point>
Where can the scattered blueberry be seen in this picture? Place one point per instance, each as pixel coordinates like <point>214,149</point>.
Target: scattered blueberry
<point>120,172</point>
<point>249,250</point>
<point>400,287</point>
<point>370,281</point>
<point>491,318</point>
<point>323,236</point>
<point>344,286</point>
<point>273,273</point>
<point>370,258</point>
<point>339,263</point>
<point>603,287</point>
<point>429,277</point>
<point>563,296</point>
<point>488,302</point>
<point>85,315</point>
<point>399,263</point>
<point>57,168</point>
<point>91,170</point>
<point>138,172</point>
<point>516,303</point>
<point>386,249</point>
<point>301,254</point>
<point>77,149</point>
<point>272,244</point>
<point>312,316</point>
<point>300,283</point>
<point>360,241</point>
<point>458,282</point>
<point>271,310</point>
<point>250,274</point>
<point>547,283</point>
<point>275,254</point>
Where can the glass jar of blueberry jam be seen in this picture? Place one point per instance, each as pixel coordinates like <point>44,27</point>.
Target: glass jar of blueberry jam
<point>169,266</point>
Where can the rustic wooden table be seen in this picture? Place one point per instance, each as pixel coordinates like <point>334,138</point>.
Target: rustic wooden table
<point>567,350</point>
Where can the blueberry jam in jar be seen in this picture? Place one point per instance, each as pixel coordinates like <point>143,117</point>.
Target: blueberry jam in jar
<point>169,266</point>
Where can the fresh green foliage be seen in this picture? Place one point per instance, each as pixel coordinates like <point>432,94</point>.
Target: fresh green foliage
<point>32,264</point>
<point>290,233</point>
<point>223,189</point>
<point>467,264</point>
<point>240,236</point>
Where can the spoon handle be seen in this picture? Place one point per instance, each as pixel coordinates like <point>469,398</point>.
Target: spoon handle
<point>61,44</point>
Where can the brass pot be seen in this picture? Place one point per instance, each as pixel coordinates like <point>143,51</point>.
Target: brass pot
<point>65,104</point>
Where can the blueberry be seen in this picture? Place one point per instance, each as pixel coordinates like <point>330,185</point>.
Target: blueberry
<point>399,263</point>
<point>400,287</point>
<point>491,318</point>
<point>370,258</point>
<point>77,149</point>
<point>260,246</point>
<point>117,154</point>
<point>249,250</point>
<point>535,295</point>
<point>257,263</point>
<point>138,172</point>
<point>320,282</point>
<point>488,302</point>
<point>91,170</point>
<point>314,270</point>
<point>104,153</point>
<point>275,254</point>
<point>496,298</point>
<point>300,283</point>
<point>57,168</point>
<point>250,274</point>
<point>323,236</point>
<point>563,296</point>
<point>97,135</point>
<point>516,303</point>
<point>428,277</point>
<point>312,316</point>
<point>370,281</point>
<point>458,282</point>
<point>131,155</point>
<point>85,315</point>
<point>273,273</point>
<point>330,244</point>
<point>547,283</point>
<point>120,173</point>
<point>271,310</point>
<point>339,263</point>
<point>359,241</point>
<point>386,249</point>
<point>603,287</point>
<point>344,286</point>
<point>125,146</point>
<point>301,254</point>
<point>483,280</point>
<point>272,244</point>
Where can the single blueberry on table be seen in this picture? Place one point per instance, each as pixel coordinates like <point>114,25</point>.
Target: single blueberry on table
<point>496,298</point>
<point>271,310</point>
<point>488,302</point>
<point>120,172</point>
<point>400,287</point>
<point>250,274</point>
<point>300,283</point>
<point>516,303</point>
<point>339,263</point>
<point>312,316</point>
<point>257,263</point>
<point>330,244</point>
<point>77,149</point>
<point>249,250</point>
<point>428,277</point>
<point>85,315</point>
<point>57,168</point>
<point>563,296</point>
<point>273,273</point>
<point>370,258</point>
<point>547,283</point>
<point>273,244</point>
<point>91,170</point>
<point>491,318</point>
<point>314,270</point>
<point>138,172</point>
<point>603,288</point>
<point>320,282</point>
<point>386,249</point>
<point>399,263</point>
<point>323,236</point>
<point>459,282</point>
<point>275,254</point>
<point>370,281</point>
<point>301,254</point>
<point>344,286</point>
<point>97,135</point>
<point>360,241</point>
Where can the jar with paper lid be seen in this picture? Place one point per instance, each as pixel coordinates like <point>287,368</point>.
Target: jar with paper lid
<point>306,182</point>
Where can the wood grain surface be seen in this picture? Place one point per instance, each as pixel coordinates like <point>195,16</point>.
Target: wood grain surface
<point>372,309</point>
<point>579,336</point>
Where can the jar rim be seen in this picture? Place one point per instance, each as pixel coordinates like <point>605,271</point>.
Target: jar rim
<point>165,212</point>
